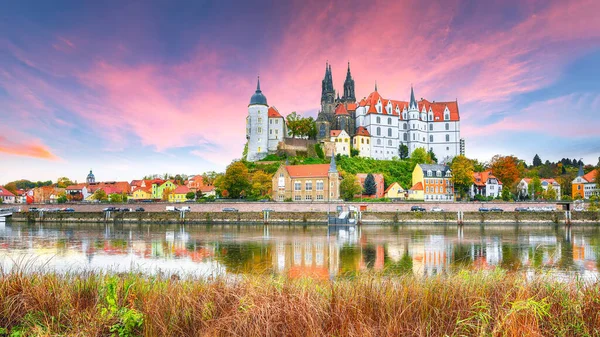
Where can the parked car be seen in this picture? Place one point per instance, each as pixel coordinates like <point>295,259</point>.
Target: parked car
<point>521,209</point>
<point>68,210</point>
<point>33,209</point>
<point>140,209</point>
<point>125,210</point>
<point>171,209</point>
<point>484,209</point>
<point>496,209</point>
<point>437,209</point>
<point>417,209</point>
<point>230,209</point>
<point>110,209</point>
<point>185,209</point>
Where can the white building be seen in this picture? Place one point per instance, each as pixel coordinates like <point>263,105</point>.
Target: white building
<point>485,184</point>
<point>6,196</point>
<point>523,186</point>
<point>584,186</point>
<point>341,140</point>
<point>362,142</point>
<point>430,125</point>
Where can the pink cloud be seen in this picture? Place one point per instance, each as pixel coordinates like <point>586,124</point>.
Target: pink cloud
<point>31,148</point>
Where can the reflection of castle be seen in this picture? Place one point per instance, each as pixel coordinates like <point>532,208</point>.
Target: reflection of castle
<point>317,259</point>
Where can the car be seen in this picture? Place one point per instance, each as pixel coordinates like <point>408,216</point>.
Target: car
<point>140,209</point>
<point>190,200</point>
<point>496,209</point>
<point>264,200</point>
<point>418,209</point>
<point>230,209</point>
<point>185,209</point>
<point>521,209</point>
<point>33,209</point>
<point>110,209</point>
<point>484,209</point>
<point>437,209</point>
<point>125,210</point>
<point>68,210</point>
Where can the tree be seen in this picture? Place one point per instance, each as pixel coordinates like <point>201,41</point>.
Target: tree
<point>505,194</point>
<point>420,156</point>
<point>100,195</point>
<point>537,161</point>
<point>261,184</point>
<point>479,166</point>
<point>62,198</point>
<point>403,150</point>
<point>462,174</point>
<point>301,127</point>
<point>349,187</point>
<point>166,192</point>
<point>190,195</point>
<point>550,193</point>
<point>235,180</point>
<point>432,156</point>
<point>63,182</point>
<point>506,169</point>
<point>370,185</point>
<point>535,188</point>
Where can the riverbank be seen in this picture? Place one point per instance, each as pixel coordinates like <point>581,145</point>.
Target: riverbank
<point>468,303</point>
<point>275,217</point>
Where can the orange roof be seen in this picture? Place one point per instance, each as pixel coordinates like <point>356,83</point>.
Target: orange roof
<point>362,131</point>
<point>75,187</point>
<point>314,170</point>
<point>351,106</point>
<point>147,189</point>
<point>341,110</point>
<point>481,178</point>
<point>417,187</point>
<point>273,113</point>
<point>362,102</point>
<point>181,190</point>
<point>590,176</point>
<point>437,108</point>
<point>372,109</point>
<point>335,133</point>
<point>208,188</point>
<point>5,193</point>
<point>136,182</point>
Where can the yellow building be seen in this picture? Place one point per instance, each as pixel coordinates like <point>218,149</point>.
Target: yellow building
<point>179,194</point>
<point>142,193</point>
<point>342,142</point>
<point>395,191</point>
<point>434,183</point>
<point>362,142</point>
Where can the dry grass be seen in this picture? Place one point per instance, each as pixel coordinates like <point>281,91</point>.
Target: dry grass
<point>466,304</point>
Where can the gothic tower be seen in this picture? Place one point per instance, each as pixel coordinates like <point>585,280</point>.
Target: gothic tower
<point>327,92</point>
<point>349,96</point>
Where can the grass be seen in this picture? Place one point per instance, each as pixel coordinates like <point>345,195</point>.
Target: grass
<point>465,304</point>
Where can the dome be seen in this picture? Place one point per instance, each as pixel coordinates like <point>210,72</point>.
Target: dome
<point>258,97</point>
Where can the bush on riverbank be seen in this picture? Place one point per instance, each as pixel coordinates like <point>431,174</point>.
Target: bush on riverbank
<point>467,303</point>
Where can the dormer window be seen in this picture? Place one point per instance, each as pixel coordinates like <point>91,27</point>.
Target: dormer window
<point>439,173</point>
<point>429,173</point>
<point>446,116</point>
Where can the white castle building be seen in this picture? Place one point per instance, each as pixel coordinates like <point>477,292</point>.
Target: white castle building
<point>389,124</point>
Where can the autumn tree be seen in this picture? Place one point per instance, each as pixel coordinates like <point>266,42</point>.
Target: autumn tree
<point>100,195</point>
<point>349,187</point>
<point>235,180</point>
<point>63,182</point>
<point>462,174</point>
<point>260,184</point>
<point>550,193</point>
<point>166,192</point>
<point>370,185</point>
<point>506,168</point>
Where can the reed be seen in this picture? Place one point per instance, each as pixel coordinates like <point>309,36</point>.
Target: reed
<point>465,304</point>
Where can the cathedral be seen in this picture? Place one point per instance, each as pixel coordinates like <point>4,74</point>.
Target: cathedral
<point>384,125</point>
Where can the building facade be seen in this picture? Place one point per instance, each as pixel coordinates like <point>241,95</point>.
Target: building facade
<point>435,182</point>
<point>341,140</point>
<point>523,186</point>
<point>485,184</point>
<point>320,182</point>
<point>584,186</point>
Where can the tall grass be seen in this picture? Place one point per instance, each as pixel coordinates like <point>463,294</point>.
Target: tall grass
<point>465,304</point>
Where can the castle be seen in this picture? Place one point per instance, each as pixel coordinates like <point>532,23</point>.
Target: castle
<point>377,126</point>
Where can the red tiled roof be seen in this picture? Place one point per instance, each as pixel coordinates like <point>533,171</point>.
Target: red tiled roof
<point>315,170</point>
<point>590,176</point>
<point>205,189</point>
<point>5,193</point>
<point>437,108</point>
<point>181,190</point>
<point>341,110</point>
<point>75,187</point>
<point>136,183</point>
<point>351,106</point>
<point>335,133</point>
<point>362,102</point>
<point>417,187</point>
<point>273,113</point>
<point>481,178</point>
<point>362,131</point>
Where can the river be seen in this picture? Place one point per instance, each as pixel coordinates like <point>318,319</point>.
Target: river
<point>295,251</point>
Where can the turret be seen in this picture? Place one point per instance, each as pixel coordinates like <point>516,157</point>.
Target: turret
<point>349,96</point>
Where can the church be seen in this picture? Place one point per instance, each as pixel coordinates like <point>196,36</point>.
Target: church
<point>377,126</point>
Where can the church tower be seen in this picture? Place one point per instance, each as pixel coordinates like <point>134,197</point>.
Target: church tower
<point>349,96</point>
<point>327,92</point>
<point>257,126</point>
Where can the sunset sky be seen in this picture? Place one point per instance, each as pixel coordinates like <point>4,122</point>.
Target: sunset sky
<point>129,88</point>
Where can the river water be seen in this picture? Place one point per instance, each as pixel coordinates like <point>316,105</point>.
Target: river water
<point>296,251</point>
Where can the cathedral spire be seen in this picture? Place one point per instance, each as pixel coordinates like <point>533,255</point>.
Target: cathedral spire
<point>258,84</point>
<point>332,166</point>
<point>413,102</point>
<point>375,85</point>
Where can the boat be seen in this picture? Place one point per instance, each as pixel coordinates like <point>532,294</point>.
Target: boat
<point>348,217</point>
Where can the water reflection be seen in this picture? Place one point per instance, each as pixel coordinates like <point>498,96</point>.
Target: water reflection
<point>295,251</point>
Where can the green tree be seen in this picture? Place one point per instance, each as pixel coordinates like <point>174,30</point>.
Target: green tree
<point>432,156</point>
<point>63,182</point>
<point>420,156</point>
<point>261,184</point>
<point>115,197</point>
<point>537,161</point>
<point>349,187</point>
<point>370,185</point>
<point>462,174</point>
<point>505,194</point>
<point>319,151</point>
<point>550,193</point>
<point>535,188</point>
<point>403,150</point>
<point>62,198</point>
<point>235,181</point>
<point>100,195</point>
<point>190,195</point>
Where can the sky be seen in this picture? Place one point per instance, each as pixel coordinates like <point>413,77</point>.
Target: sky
<point>131,88</point>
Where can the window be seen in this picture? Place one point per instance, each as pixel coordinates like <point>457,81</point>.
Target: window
<point>430,126</point>
<point>414,126</point>
<point>259,120</point>
<point>308,186</point>
<point>446,117</point>
<point>271,131</point>
<point>441,189</point>
<point>414,136</point>
<point>280,175</point>
<point>405,126</point>
<point>297,198</point>
<point>280,197</point>
<point>319,197</point>
<point>297,186</point>
<point>429,173</point>
<point>378,130</point>
<point>367,141</point>
<point>362,140</point>
<point>308,197</point>
<point>378,119</point>
<point>405,136</point>
<point>389,132</point>
<point>258,150</point>
<point>320,185</point>
<point>431,139</point>
<point>439,173</point>
<point>259,129</point>
<point>390,142</point>
<point>447,126</point>
<point>378,141</point>
<point>389,121</point>
<point>276,131</point>
<point>447,138</point>
<point>277,121</point>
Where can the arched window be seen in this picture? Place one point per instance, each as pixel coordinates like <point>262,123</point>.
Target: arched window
<point>447,126</point>
<point>430,126</point>
<point>378,119</point>
<point>378,130</point>
<point>378,141</point>
<point>446,117</point>
<point>362,140</point>
<point>389,132</point>
<point>431,139</point>
<point>447,138</point>
<point>405,137</point>
<point>405,126</point>
<point>389,121</point>
<point>414,136</point>
<point>322,131</point>
<point>390,142</point>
